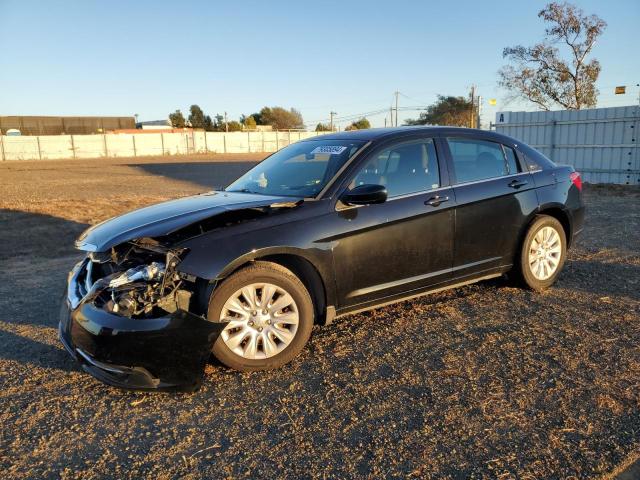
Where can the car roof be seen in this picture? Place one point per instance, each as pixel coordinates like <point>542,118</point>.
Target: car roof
<point>375,134</point>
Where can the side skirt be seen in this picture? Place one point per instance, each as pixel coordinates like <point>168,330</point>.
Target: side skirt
<point>419,294</point>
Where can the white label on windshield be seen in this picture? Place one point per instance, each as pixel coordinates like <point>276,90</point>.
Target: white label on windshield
<point>330,150</point>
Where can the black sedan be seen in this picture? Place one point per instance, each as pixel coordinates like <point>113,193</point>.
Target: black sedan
<point>325,227</point>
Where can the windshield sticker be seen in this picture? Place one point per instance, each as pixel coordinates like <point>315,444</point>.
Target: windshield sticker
<point>329,149</point>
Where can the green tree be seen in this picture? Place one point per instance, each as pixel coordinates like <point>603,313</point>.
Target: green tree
<point>280,118</point>
<point>323,127</point>
<point>448,110</point>
<point>208,124</point>
<point>258,118</point>
<point>234,126</point>
<point>196,117</point>
<point>249,122</point>
<point>218,123</point>
<point>361,124</point>
<point>540,74</point>
<point>177,119</point>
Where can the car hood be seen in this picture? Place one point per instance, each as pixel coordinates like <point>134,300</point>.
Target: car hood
<point>167,217</point>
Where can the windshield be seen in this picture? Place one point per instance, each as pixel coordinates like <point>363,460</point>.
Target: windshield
<point>299,170</point>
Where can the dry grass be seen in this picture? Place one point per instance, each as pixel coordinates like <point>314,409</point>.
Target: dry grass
<point>486,381</point>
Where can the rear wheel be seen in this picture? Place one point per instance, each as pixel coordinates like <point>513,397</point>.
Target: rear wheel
<point>269,313</point>
<point>543,253</point>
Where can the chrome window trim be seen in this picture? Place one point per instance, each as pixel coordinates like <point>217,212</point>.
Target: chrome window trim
<point>414,194</point>
<point>424,192</point>
<point>490,179</point>
<point>390,199</point>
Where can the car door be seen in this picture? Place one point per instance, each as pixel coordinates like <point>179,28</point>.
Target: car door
<point>405,243</point>
<point>494,199</point>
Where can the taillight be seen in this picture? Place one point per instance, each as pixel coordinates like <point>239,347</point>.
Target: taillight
<point>576,180</point>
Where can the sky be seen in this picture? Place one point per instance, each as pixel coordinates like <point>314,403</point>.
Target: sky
<point>153,57</point>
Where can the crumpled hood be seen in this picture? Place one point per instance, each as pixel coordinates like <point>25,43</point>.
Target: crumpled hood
<point>167,217</point>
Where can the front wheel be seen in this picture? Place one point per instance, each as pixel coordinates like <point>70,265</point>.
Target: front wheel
<point>269,313</point>
<point>543,253</point>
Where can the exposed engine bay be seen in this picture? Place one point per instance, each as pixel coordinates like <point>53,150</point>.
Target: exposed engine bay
<point>138,279</point>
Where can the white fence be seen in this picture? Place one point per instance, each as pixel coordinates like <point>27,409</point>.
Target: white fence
<point>54,147</point>
<point>601,143</point>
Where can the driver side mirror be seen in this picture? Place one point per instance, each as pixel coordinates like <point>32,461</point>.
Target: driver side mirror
<point>365,195</point>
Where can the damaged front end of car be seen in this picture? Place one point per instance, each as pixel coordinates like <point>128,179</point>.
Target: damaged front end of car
<point>129,318</point>
<point>135,312</point>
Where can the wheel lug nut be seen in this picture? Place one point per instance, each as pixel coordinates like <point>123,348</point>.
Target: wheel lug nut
<point>251,324</point>
<point>254,313</point>
<point>259,329</point>
<point>264,312</point>
<point>268,322</point>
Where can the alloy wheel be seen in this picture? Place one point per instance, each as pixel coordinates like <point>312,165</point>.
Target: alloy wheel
<point>545,252</point>
<point>262,321</point>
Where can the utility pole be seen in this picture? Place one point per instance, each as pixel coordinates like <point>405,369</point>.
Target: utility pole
<point>397,93</point>
<point>226,125</point>
<point>391,116</point>
<point>472,113</point>
<point>331,114</point>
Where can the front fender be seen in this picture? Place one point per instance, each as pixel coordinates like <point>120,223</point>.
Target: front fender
<point>214,259</point>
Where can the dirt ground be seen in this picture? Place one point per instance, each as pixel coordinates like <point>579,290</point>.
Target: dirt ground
<point>486,381</point>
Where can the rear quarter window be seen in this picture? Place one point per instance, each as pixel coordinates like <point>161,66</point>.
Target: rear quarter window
<point>534,159</point>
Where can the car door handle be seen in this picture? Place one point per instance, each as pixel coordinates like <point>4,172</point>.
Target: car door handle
<point>437,200</point>
<point>517,183</point>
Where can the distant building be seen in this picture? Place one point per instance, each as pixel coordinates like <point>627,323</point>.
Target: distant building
<point>43,125</point>
<point>154,125</point>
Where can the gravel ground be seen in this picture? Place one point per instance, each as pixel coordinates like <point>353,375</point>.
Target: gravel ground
<point>486,381</point>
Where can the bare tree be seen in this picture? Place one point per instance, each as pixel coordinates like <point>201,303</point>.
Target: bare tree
<point>540,75</point>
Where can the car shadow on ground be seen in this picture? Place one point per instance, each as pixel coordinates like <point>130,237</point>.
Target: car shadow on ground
<point>29,237</point>
<point>37,254</point>
<point>33,352</point>
<point>601,278</point>
<point>210,175</point>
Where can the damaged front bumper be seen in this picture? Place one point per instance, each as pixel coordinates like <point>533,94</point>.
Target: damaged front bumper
<point>166,352</point>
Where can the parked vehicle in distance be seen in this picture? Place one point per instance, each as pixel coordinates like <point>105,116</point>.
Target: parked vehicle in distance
<point>325,227</point>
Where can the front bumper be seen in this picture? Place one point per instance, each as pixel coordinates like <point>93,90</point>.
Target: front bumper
<point>168,352</point>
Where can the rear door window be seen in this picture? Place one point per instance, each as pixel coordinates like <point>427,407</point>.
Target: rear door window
<point>475,159</point>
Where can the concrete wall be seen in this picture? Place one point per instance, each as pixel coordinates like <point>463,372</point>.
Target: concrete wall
<point>601,143</point>
<point>52,147</point>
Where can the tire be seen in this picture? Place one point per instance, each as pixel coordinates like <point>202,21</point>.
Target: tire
<point>540,264</point>
<point>261,335</point>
